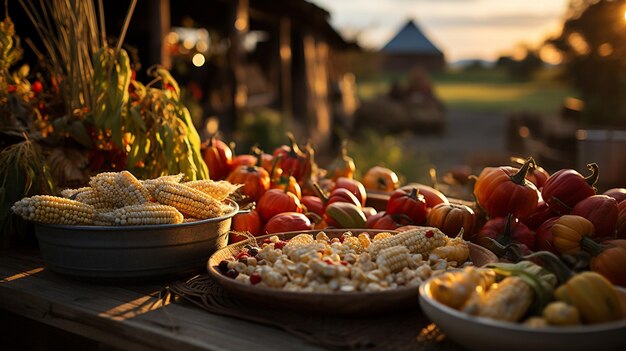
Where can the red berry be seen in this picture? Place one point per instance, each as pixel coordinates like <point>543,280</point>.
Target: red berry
<point>36,87</point>
<point>280,244</point>
<point>255,278</point>
<point>328,261</point>
<point>429,234</point>
<point>241,254</point>
<point>11,88</point>
<point>345,263</point>
<point>266,241</point>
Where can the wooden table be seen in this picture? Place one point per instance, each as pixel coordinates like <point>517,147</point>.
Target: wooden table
<point>128,317</point>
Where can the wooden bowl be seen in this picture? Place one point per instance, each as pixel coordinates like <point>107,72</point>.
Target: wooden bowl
<point>340,303</point>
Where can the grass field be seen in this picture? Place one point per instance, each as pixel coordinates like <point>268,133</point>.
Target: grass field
<point>486,90</point>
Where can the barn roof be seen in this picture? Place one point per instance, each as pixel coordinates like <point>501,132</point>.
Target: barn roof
<point>410,40</point>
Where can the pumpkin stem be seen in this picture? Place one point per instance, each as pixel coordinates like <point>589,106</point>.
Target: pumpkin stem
<point>553,264</point>
<point>590,246</point>
<point>595,173</point>
<point>275,165</point>
<point>520,176</point>
<point>505,239</point>
<point>320,192</point>
<point>294,150</point>
<point>460,235</point>
<point>314,217</point>
<point>413,194</point>
<point>492,245</point>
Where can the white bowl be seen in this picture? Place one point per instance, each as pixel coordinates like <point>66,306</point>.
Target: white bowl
<point>484,334</point>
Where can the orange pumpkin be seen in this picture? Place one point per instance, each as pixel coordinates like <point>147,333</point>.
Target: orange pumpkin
<point>255,181</point>
<point>342,166</point>
<point>218,157</point>
<point>568,232</point>
<point>380,179</point>
<point>450,218</point>
<point>608,259</point>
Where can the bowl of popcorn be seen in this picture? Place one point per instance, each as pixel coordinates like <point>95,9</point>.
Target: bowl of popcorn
<point>121,228</point>
<point>340,271</point>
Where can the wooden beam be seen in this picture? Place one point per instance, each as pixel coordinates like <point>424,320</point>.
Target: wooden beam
<point>160,25</point>
<point>286,86</point>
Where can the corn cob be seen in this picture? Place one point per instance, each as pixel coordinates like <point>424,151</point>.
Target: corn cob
<point>393,259</point>
<point>133,192</point>
<point>190,202</point>
<point>218,190</point>
<point>508,300</point>
<point>142,214</point>
<point>421,240</point>
<point>91,197</point>
<point>71,193</point>
<point>151,184</point>
<point>454,288</point>
<point>105,183</point>
<point>54,210</point>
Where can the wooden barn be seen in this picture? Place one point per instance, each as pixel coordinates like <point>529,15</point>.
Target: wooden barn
<point>410,48</point>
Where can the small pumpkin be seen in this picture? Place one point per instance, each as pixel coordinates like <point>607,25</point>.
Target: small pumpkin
<point>255,180</point>
<point>275,201</point>
<point>450,218</point>
<point>288,222</point>
<point>343,165</point>
<point>432,196</point>
<point>608,259</point>
<point>218,157</point>
<point>354,186</point>
<point>503,190</point>
<point>593,295</point>
<point>619,194</point>
<point>246,222</point>
<point>565,188</point>
<point>409,203</point>
<point>380,178</point>
<point>601,210</point>
<point>568,232</point>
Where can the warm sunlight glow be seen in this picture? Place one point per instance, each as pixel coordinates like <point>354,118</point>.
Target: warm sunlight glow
<point>605,49</point>
<point>198,60</point>
<point>578,43</point>
<point>23,274</point>
<point>550,55</point>
<point>624,15</point>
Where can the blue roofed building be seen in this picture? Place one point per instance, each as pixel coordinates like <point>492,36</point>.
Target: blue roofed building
<point>410,48</point>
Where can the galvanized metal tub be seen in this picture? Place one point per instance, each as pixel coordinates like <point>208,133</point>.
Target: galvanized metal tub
<point>131,253</point>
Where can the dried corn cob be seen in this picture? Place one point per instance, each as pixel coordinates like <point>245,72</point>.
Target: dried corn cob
<point>190,202</point>
<point>421,240</point>
<point>133,192</point>
<point>93,198</point>
<point>54,210</point>
<point>151,184</point>
<point>71,193</point>
<point>458,252</point>
<point>393,259</point>
<point>142,214</point>
<point>508,300</point>
<point>218,190</point>
<point>106,184</point>
<point>454,288</point>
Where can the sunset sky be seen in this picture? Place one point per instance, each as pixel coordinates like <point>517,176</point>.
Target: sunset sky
<point>461,28</point>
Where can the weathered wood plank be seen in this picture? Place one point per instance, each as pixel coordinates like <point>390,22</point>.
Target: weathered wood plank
<point>124,317</point>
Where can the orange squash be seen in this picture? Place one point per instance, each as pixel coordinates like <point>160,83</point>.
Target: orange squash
<point>255,181</point>
<point>609,259</point>
<point>568,232</point>
<point>380,179</point>
<point>450,218</point>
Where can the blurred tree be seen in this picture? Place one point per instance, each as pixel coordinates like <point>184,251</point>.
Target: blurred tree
<point>593,44</point>
<point>521,69</point>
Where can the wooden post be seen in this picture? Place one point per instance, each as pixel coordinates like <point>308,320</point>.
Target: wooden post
<point>160,23</point>
<point>284,52</point>
<point>239,27</point>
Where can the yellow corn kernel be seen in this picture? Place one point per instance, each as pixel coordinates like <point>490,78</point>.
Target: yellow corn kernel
<point>218,190</point>
<point>54,210</point>
<point>71,193</point>
<point>508,300</point>
<point>190,202</point>
<point>93,198</point>
<point>142,214</point>
<point>381,236</point>
<point>365,240</point>
<point>420,240</point>
<point>393,259</point>
<point>151,184</point>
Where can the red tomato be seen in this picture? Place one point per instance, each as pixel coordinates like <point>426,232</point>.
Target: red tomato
<point>354,186</point>
<point>409,203</point>
<point>36,87</point>
<point>543,236</point>
<point>518,232</point>
<point>218,158</point>
<point>287,222</point>
<point>275,201</point>
<point>601,210</point>
<point>342,195</point>
<point>246,222</point>
<point>619,194</point>
<point>565,188</point>
<point>432,196</point>
<point>503,190</point>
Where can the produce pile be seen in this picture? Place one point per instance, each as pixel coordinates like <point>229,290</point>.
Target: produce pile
<point>348,263</point>
<point>118,198</point>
